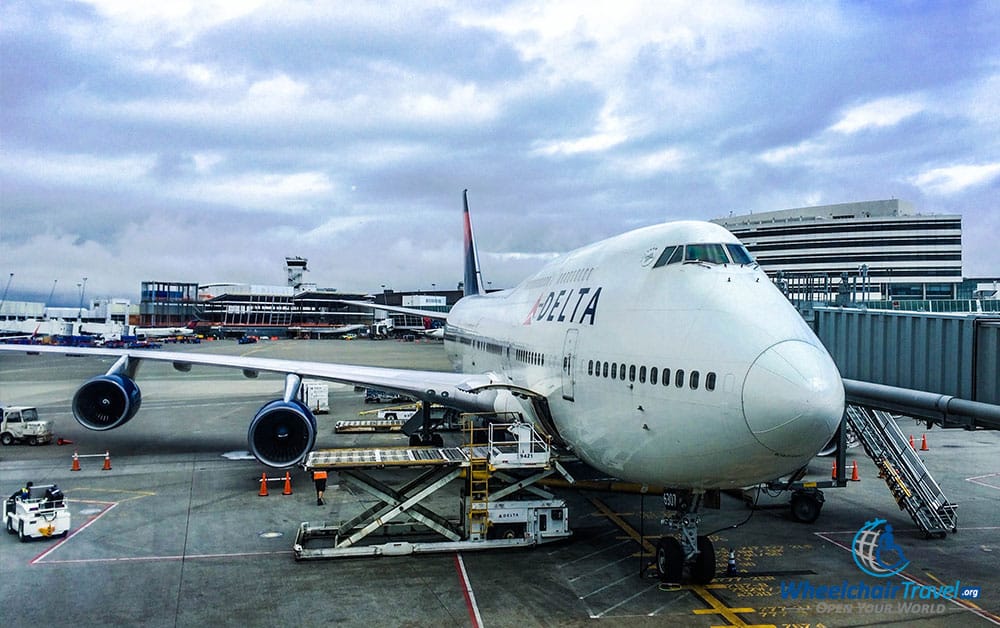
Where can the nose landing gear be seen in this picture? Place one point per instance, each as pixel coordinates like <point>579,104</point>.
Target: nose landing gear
<point>690,551</point>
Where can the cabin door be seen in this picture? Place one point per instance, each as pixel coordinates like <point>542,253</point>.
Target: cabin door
<point>568,370</point>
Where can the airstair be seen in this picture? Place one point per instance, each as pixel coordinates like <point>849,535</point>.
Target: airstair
<point>908,479</point>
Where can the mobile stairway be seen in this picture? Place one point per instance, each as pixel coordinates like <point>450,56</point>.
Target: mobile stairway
<point>908,479</point>
<point>490,516</point>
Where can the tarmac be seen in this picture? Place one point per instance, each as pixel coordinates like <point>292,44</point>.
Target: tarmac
<point>176,534</point>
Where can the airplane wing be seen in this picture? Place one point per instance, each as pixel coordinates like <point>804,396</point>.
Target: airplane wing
<point>413,383</point>
<point>283,431</point>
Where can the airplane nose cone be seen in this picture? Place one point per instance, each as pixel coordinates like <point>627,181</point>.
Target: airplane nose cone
<point>793,398</point>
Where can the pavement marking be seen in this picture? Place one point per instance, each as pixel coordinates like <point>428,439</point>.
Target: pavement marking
<point>85,489</point>
<point>971,605</point>
<point>470,596</point>
<point>716,605</point>
<point>977,480</point>
<point>621,523</point>
<point>972,608</point>
<point>74,533</point>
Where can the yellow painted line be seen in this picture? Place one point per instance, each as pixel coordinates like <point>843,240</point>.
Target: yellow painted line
<point>621,523</point>
<point>963,602</point>
<point>717,607</point>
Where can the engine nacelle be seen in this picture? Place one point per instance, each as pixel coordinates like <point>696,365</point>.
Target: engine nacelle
<point>282,433</point>
<point>106,402</point>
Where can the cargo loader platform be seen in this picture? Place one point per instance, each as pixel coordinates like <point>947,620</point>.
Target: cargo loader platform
<point>490,515</point>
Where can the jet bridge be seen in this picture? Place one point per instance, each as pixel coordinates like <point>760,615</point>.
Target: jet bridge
<point>494,472</point>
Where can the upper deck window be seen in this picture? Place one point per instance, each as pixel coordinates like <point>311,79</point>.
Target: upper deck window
<point>739,254</point>
<point>711,253</point>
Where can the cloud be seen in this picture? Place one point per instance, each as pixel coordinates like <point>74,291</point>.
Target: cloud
<point>883,112</point>
<point>954,179</point>
<point>345,132</point>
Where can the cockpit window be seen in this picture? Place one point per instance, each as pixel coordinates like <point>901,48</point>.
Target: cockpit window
<point>670,255</point>
<point>711,253</point>
<point>664,256</point>
<point>739,254</point>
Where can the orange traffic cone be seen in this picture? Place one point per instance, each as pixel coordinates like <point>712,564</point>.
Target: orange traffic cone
<point>288,484</point>
<point>107,461</point>
<point>63,441</point>
<point>263,485</point>
<point>912,445</point>
<point>923,443</point>
<point>854,473</point>
<point>76,462</point>
<point>833,472</point>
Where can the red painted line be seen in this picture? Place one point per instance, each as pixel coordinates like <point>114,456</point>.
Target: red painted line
<point>470,597</point>
<point>73,533</point>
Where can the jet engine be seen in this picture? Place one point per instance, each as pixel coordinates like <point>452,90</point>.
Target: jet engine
<point>282,433</point>
<point>106,402</point>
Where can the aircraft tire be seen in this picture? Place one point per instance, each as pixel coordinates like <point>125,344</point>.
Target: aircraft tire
<point>669,560</point>
<point>805,508</point>
<point>703,569</point>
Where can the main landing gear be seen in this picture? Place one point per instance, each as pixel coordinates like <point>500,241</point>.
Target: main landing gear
<point>693,552</point>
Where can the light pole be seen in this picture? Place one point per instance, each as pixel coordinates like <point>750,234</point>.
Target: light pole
<point>83,290</point>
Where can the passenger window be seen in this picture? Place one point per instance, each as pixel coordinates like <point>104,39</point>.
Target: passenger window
<point>605,369</point>
<point>631,373</point>
<point>710,381</point>
<point>693,380</point>
<point>679,378</point>
<point>642,374</point>
<point>590,367</point>
<point>739,254</point>
<point>621,373</point>
<point>666,377</point>
<point>614,370</point>
<point>652,375</point>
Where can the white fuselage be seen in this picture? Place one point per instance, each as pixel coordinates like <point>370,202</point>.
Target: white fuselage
<point>750,392</point>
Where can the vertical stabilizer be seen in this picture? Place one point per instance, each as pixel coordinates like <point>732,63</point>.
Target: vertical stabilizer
<point>473,278</point>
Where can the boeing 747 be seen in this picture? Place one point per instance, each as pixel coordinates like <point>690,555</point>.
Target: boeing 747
<point>663,356</point>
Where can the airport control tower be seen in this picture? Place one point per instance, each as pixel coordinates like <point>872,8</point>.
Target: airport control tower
<point>296,267</point>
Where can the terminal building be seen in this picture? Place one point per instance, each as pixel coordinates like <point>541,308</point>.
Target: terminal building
<point>298,309</point>
<point>882,250</point>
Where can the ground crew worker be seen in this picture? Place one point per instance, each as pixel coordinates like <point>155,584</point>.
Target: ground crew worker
<point>25,492</point>
<point>319,477</point>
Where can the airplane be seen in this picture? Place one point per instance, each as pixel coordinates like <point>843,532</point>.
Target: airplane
<point>663,356</point>
<point>164,332</point>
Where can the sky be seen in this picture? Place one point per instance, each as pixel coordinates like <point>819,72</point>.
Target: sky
<point>204,141</point>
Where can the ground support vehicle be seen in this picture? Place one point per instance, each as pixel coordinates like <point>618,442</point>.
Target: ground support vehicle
<point>497,511</point>
<point>21,424</point>
<point>43,514</point>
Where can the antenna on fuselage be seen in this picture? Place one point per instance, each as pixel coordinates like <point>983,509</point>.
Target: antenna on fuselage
<point>473,276</point>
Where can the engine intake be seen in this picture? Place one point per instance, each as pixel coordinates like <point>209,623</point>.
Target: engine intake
<point>106,402</point>
<point>282,433</point>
